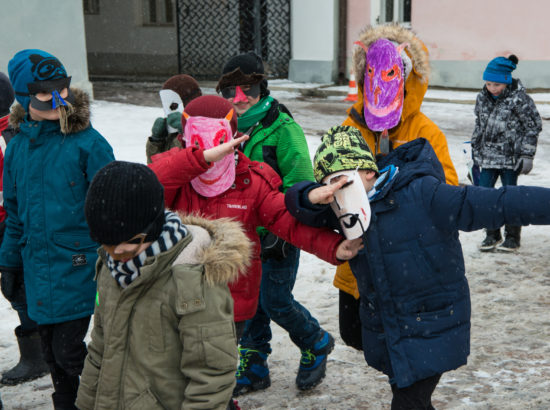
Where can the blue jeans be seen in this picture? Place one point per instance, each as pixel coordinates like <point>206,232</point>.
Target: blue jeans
<point>488,177</point>
<point>278,304</point>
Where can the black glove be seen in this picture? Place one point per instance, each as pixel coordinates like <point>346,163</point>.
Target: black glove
<point>10,282</point>
<point>274,247</point>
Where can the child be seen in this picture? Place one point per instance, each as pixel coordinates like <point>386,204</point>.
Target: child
<point>504,139</point>
<point>48,166</point>
<point>163,332</point>
<point>31,364</point>
<point>415,303</point>
<point>175,94</point>
<point>209,177</point>
<point>392,68</point>
<point>276,139</point>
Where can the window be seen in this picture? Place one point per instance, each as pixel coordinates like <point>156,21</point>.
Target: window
<point>90,6</point>
<point>158,13</point>
<point>395,10</point>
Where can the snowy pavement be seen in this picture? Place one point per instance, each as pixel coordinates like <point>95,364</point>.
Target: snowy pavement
<point>509,365</point>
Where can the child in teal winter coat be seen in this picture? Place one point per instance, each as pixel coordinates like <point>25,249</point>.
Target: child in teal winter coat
<point>48,167</point>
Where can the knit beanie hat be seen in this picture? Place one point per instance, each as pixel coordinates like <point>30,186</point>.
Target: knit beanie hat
<point>186,86</point>
<point>244,69</point>
<point>29,66</point>
<point>210,106</point>
<point>499,69</point>
<point>342,148</point>
<point>123,200</point>
<point>6,95</point>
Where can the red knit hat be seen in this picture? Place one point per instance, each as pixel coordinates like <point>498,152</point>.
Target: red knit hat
<point>210,106</point>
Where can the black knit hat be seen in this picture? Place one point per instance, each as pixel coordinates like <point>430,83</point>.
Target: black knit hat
<point>123,200</point>
<point>6,95</point>
<point>244,69</point>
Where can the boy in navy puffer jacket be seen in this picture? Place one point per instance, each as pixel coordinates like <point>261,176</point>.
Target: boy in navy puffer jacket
<point>415,302</point>
<point>48,167</point>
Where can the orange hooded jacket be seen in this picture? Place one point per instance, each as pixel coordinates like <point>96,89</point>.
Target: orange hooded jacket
<point>414,124</point>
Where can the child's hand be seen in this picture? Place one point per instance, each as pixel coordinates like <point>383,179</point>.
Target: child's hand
<point>220,151</point>
<point>325,193</point>
<point>348,249</point>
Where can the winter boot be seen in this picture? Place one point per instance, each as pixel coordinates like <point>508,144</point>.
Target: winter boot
<point>492,239</point>
<point>233,405</point>
<point>31,364</point>
<point>313,363</point>
<point>511,241</point>
<point>253,373</point>
<point>64,401</point>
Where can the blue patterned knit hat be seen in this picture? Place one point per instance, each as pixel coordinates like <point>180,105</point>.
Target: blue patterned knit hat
<point>499,70</point>
<point>29,66</point>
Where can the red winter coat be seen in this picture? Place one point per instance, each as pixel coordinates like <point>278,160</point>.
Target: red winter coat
<point>254,200</point>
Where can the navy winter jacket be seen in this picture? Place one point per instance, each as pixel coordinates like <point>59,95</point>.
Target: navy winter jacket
<point>415,302</point>
<point>46,177</point>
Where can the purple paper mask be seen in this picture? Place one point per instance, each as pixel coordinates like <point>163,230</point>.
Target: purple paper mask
<point>207,133</point>
<point>383,88</point>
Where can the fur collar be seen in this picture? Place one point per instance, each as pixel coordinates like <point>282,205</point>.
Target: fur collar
<point>416,50</point>
<point>78,121</point>
<point>228,252</point>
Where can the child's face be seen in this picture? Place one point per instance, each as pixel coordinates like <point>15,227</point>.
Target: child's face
<point>367,177</point>
<point>52,115</point>
<point>495,88</point>
<point>127,250</point>
<point>244,97</point>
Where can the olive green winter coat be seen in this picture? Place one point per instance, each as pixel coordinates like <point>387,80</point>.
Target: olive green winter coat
<point>167,341</point>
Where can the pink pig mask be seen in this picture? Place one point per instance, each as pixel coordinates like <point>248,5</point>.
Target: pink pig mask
<point>383,89</point>
<point>205,133</point>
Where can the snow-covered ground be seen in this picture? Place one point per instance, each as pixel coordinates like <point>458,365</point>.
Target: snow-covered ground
<point>509,367</point>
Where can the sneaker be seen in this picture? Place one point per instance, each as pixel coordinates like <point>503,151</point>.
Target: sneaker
<point>313,363</point>
<point>253,373</point>
<point>491,241</point>
<point>510,244</point>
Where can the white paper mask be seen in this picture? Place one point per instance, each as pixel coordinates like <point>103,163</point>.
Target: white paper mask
<point>171,102</point>
<point>351,205</point>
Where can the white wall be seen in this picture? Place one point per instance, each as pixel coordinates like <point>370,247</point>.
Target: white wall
<point>53,26</point>
<point>314,39</point>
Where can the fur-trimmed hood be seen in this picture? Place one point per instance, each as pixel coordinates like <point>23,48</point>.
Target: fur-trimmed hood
<point>220,245</point>
<point>417,81</point>
<point>416,50</point>
<point>77,121</point>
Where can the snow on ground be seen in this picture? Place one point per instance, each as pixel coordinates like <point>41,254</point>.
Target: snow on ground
<point>509,365</point>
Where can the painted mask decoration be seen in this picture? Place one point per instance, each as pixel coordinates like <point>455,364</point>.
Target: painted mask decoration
<point>205,133</point>
<point>351,204</point>
<point>383,89</point>
<point>171,102</point>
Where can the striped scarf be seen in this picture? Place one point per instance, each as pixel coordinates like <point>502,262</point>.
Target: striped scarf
<point>172,232</point>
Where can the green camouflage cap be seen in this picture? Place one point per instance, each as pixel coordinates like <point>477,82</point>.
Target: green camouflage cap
<point>342,149</point>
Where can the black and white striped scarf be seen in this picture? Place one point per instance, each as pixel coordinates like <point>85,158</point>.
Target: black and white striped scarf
<point>172,232</point>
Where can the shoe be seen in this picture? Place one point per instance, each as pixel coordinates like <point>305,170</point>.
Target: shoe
<point>313,363</point>
<point>511,243</point>
<point>491,241</point>
<point>233,405</point>
<point>253,373</point>
<point>31,363</point>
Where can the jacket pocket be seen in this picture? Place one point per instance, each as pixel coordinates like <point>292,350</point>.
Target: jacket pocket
<point>145,401</point>
<point>430,316</point>
<point>156,334</point>
<point>219,346</point>
<point>74,241</point>
<point>77,248</point>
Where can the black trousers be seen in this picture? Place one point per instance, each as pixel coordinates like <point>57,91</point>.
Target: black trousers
<point>350,323</point>
<point>417,396</point>
<point>64,350</point>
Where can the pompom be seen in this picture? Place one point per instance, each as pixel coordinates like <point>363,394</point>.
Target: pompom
<point>513,58</point>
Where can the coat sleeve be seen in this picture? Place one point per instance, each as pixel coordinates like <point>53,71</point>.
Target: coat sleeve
<point>210,355</point>
<point>293,155</point>
<point>531,123</point>
<point>176,168</point>
<point>476,135</point>
<point>271,209</point>
<point>299,206</point>
<point>470,208</point>
<point>87,390</point>
<point>99,155</point>
<point>10,252</point>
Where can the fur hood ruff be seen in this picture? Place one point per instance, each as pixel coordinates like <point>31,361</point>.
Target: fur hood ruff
<point>77,121</point>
